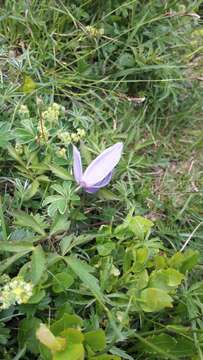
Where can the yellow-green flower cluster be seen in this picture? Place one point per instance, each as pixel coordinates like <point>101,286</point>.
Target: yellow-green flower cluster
<point>52,113</point>
<point>61,152</point>
<point>23,111</point>
<point>67,137</point>
<point>19,148</point>
<point>94,32</point>
<point>43,133</point>
<point>16,291</point>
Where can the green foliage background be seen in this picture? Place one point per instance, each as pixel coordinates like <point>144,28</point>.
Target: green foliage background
<point>126,71</point>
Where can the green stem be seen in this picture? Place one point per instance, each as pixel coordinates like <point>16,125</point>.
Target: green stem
<point>3,224</point>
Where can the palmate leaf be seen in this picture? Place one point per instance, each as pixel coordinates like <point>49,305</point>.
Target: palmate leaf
<point>57,203</point>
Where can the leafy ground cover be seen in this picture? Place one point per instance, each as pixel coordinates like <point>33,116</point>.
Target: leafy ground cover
<point>115,274</point>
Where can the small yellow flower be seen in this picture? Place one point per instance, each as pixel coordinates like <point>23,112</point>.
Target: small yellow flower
<point>64,136</point>
<point>81,133</point>
<point>62,152</point>
<point>53,112</point>
<point>43,132</point>
<point>115,271</point>
<point>19,148</point>
<point>94,32</point>
<point>16,291</point>
<point>74,137</point>
<point>23,110</point>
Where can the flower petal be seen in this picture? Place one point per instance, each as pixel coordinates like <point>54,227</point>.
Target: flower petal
<point>102,165</point>
<point>77,165</point>
<point>99,185</point>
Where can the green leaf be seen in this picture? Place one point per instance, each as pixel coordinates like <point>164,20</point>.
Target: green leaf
<point>190,259</point>
<point>106,248</point>
<point>13,153</point>
<point>116,351</point>
<point>105,357</point>
<point>96,339</point>
<point>60,172</point>
<point>65,243</point>
<point>108,195</point>
<point>126,60</point>
<point>62,281</point>
<point>5,134</point>
<point>139,226</point>
<point>26,334</point>
<point>51,199</point>
<point>165,279</point>
<point>155,300</point>
<point>13,246</point>
<point>26,220</point>
<point>88,279</point>
<point>73,351</point>
<point>178,347</point>
<point>38,264</point>
<point>185,261</point>
<point>60,224</point>
<point>62,205</point>
<point>73,336</point>
<point>31,190</point>
<point>67,321</point>
<point>5,264</point>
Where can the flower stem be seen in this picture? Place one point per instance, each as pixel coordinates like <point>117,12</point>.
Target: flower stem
<point>3,224</point>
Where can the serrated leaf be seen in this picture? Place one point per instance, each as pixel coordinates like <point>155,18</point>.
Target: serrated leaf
<point>12,246</point>
<point>88,279</point>
<point>38,264</point>
<point>13,153</point>
<point>65,244</point>
<point>169,347</point>
<point>5,264</point>
<point>60,172</point>
<point>25,220</point>
<point>60,224</point>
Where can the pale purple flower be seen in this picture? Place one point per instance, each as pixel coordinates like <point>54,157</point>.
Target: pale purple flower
<point>98,174</point>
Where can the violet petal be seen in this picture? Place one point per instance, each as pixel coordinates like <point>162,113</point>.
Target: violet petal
<point>77,165</point>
